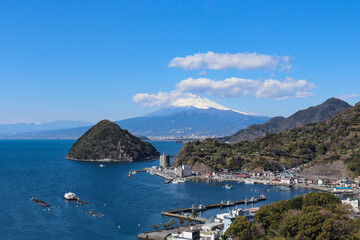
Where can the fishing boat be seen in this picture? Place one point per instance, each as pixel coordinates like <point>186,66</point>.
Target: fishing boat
<point>248,181</point>
<point>178,180</point>
<point>198,208</point>
<point>70,196</point>
<point>228,186</point>
<point>251,200</point>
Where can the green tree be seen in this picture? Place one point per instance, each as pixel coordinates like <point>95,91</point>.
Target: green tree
<point>289,227</point>
<point>180,221</point>
<point>326,200</point>
<point>172,222</point>
<point>310,225</point>
<point>154,226</point>
<point>241,229</point>
<point>194,214</point>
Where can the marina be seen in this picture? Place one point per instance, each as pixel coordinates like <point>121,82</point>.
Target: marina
<point>178,212</point>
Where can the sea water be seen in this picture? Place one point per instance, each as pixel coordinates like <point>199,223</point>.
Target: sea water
<point>37,168</point>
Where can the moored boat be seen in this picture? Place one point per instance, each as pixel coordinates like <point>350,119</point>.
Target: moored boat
<point>70,196</point>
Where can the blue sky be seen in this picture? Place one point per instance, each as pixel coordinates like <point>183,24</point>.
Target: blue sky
<point>86,60</point>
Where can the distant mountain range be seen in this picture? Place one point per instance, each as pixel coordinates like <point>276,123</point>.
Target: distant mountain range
<point>197,117</point>
<point>14,128</point>
<point>322,112</point>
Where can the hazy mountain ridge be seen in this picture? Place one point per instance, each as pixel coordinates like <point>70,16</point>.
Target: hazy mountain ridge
<point>169,122</point>
<point>321,112</point>
<point>13,128</point>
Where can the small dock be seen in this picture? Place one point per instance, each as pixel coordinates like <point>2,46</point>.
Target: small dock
<point>39,202</point>
<point>177,212</point>
<point>169,180</point>
<point>95,214</point>
<point>131,172</point>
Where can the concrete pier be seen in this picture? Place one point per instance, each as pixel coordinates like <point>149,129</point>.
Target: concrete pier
<point>177,212</point>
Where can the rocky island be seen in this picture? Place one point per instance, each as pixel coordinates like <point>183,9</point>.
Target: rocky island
<point>106,141</point>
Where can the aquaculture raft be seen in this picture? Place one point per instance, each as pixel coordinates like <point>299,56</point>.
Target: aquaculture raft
<point>39,202</point>
<point>95,214</point>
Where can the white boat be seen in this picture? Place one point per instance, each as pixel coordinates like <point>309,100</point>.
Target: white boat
<point>251,200</point>
<point>101,165</point>
<point>70,196</point>
<point>178,180</point>
<point>248,181</point>
<point>228,186</point>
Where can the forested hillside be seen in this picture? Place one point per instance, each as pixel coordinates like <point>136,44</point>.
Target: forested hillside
<point>319,143</point>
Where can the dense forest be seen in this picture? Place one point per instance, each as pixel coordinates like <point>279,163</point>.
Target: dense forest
<point>319,143</point>
<point>317,216</point>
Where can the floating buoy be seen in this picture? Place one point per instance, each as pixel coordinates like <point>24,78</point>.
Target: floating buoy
<point>104,204</point>
<point>119,227</point>
<point>77,205</point>
<point>48,209</point>
<point>139,225</point>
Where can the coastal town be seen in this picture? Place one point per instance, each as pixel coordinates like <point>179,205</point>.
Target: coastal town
<point>212,229</point>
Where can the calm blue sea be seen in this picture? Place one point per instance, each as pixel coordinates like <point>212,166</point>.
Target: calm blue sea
<point>37,168</point>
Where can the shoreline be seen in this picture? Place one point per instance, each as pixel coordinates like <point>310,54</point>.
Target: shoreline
<point>108,160</point>
<point>264,182</point>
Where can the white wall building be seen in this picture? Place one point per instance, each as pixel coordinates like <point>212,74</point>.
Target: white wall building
<point>353,203</point>
<point>183,171</point>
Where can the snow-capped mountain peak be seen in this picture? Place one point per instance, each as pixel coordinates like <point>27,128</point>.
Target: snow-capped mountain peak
<point>202,103</point>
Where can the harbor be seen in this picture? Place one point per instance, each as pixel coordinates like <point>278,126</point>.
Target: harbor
<point>178,213</point>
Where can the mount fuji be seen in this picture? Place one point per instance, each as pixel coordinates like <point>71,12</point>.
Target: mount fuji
<point>190,117</point>
<point>184,118</point>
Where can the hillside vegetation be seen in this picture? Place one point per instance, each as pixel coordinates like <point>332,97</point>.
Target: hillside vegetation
<point>319,143</point>
<point>106,140</point>
<point>321,112</point>
<point>315,216</point>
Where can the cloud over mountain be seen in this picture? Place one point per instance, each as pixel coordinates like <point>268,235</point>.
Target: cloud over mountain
<point>222,61</point>
<point>190,89</point>
<point>233,87</point>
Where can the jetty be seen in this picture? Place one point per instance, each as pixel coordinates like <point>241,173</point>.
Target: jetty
<point>177,212</point>
<point>131,172</point>
<point>39,202</point>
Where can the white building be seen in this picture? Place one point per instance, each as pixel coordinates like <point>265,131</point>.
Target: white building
<point>183,171</point>
<point>189,234</point>
<point>353,203</point>
<point>287,180</point>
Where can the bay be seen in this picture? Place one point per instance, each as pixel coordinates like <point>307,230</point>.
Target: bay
<point>37,168</point>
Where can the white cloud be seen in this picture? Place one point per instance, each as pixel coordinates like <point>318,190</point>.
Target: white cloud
<point>221,61</point>
<point>159,99</point>
<point>348,96</point>
<point>233,87</point>
<point>304,94</point>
